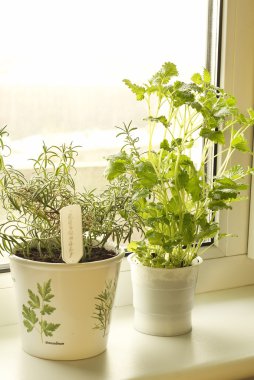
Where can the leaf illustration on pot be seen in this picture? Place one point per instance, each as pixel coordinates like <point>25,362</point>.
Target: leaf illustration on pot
<point>104,306</point>
<point>38,306</point>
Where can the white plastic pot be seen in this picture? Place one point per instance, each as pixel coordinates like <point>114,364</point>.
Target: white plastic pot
<point>163,298</point>
<point>64,309</point>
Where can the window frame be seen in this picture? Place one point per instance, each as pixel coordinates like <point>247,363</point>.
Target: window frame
<point>236,45</point>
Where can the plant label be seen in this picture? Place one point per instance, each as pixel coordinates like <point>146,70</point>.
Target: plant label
<point>71,234</point>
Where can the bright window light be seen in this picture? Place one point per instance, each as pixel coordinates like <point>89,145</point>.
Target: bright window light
<point>62,65</point>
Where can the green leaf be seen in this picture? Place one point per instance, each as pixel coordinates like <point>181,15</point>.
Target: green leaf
<point>146,174</point>
<point>164,75</point>
<point>161,119</point>
<point>173,206</point>
<point>29,326</point>
<point>165,145</point>
<point>34,300</point>
<point>155,238</point>
<point>239,142</point>
<point>196,78</point>
<point>188,228</point>
<point>48,328</point>
<point>116,165</point>
<point>206,76</point>
<point>236,172</point>
<point>29,314</point>
<point>139,91</point>
<point>183,96</point>
<point>215,136</point>
<point>182,179</point>
<point>132,246</point>
<point>222,112</point>
<point>216,205</point>
<point>45,291</point>
<point>47,309</point>
<point>223,194</point>
<point>193,188</point>
<point>228,183</point>
<point>209,232</point>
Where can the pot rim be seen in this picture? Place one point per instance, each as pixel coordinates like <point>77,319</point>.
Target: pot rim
<point>133,261</point>
<point>64,266</point>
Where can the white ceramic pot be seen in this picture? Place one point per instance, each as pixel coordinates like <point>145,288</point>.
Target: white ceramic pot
<point>64,309</point>
<point>163,298</point>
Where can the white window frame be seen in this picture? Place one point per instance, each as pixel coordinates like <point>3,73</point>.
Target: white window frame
<point>231,266</point>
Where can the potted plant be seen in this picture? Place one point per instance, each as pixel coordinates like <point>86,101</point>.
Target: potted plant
<point>176,196</point>
<point>64,308</point>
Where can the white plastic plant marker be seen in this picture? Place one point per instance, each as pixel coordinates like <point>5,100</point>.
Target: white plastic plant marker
<point>71,234</point>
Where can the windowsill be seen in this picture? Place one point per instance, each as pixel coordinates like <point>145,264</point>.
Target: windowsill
<point>219,347</point>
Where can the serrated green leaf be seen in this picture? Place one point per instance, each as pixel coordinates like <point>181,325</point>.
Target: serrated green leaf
<point>29,314</point>
<point>173,206</point>
<point>215,136</point>
<point>47,309</point>
<point>163,76</point>
<point>228,183</point>
<point>216,205</point>
<point>196,78</point>
<point>45,291</point>
<point>223,194</point>
<point>222,112</point>
<point>48,328</point>
<point>139,91</point>
<point>182,179</point>
<point>165,145</point>
<point>116,165</point>
<point>155,238</point>
<point>193,188</point>
<point>239,142</point>
<point>160,119</point>
<point>146,174</point>
<point>34,300</point>
<point>236,172</point>
<point>29,326</point>
<point>209,232</point>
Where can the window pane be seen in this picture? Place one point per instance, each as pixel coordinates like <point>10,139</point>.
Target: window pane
<point>62,65</point>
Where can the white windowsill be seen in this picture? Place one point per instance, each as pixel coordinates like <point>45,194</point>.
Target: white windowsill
<point>219,347</point>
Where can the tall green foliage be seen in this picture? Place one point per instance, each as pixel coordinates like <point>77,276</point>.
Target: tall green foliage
<point>174,197</point>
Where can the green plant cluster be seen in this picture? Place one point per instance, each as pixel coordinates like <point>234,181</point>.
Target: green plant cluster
<point>173,195</point>
<point>33,206</point>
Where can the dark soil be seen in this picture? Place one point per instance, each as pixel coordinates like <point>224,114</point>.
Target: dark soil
<point>98,254</point>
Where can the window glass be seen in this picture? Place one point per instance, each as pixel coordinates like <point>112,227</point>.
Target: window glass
<point>62,65</point>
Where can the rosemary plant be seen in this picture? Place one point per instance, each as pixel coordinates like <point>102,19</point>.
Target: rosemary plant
<point>33,205</point>
<point>175,198</point>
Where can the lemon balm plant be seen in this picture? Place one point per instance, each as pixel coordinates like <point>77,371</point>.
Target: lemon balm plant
<point>174,196</point>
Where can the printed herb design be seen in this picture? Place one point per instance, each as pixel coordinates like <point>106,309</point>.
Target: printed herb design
<point>104,306</point>
<point>38,307</point>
